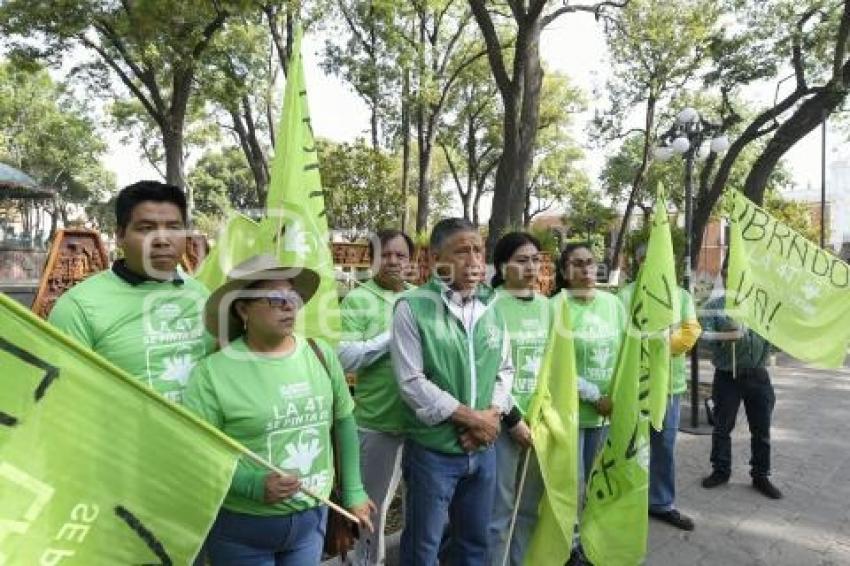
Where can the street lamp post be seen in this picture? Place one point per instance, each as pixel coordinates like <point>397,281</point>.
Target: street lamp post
<point>686,137</point>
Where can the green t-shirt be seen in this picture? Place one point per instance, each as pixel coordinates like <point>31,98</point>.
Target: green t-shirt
<point>153,330</point>
<point>527,321</point>
<point>366,312</point>
<point>279,407</point>
<point>678,367</point>
<point>597,327</point>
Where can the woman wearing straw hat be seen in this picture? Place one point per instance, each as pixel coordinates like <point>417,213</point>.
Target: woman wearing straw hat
<point>285,398</point>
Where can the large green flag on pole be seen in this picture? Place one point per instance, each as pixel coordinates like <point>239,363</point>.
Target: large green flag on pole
<point>295,207</point>
<point>553,416</point>
<point>791,292</point>
<point>94,467</point>
<point>661,296</point>
<point>294,227</point>
<point>614,525</point>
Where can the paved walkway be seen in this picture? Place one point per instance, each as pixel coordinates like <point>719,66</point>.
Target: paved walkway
<point>811,461</point>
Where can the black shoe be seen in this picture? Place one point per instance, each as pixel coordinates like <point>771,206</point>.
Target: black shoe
<point>673,517</point>
<point>716,478</point>
<point>767,489</point>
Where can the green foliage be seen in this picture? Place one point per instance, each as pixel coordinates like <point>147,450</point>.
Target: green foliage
<point>796,215</point>
<point>361,188</point>
<point>640,237</point>
<point>223,176</point>
<point>47,133</point>
<point>588,216</point>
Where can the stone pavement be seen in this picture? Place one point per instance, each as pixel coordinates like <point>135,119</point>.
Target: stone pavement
<point>735,525</point>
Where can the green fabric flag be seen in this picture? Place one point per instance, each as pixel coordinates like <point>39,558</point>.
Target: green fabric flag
<point>614,525</point>
<point>791,292</point>
<point>295,207</point>
<point>553,416</point>
<point>241,239</point>
<point>295,227</point>
<point>94,467</point>
<point>661,298</point>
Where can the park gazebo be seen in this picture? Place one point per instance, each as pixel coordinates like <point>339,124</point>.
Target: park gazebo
<point>22,232</point>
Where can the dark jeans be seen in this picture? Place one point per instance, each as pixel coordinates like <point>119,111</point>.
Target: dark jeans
<point>753,387</point>
<point>458,488</point>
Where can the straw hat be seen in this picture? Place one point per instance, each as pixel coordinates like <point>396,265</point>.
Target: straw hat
<point>304,281</point>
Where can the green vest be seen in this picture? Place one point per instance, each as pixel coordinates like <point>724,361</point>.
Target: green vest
<point>463,365</point>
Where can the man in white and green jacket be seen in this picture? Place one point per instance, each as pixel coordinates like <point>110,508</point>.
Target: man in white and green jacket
<point>452,360</point>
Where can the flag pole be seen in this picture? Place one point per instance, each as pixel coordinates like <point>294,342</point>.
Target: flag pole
<point>271,467</point>
<point>516,506</point>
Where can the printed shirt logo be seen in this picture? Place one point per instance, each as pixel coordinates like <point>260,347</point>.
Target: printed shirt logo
<point>177,368</point>
<point>494,337</point>
<point>302,453</point>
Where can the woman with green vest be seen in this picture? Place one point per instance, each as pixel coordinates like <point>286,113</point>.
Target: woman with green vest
<point>597,320</point>
<point>516,260</point>
<point>367,313</point>
<point>285,398</point>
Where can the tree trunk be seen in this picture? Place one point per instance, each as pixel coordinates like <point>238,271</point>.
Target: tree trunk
<point>532,81</point>
<point>505,178</point>
<point>172,141</point>
<point>806,118</point>
<point>405,146</point>
<point>253,155</point>
<point>637,182</point>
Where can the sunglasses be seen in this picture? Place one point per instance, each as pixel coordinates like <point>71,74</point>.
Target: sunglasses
<point>282,299</point>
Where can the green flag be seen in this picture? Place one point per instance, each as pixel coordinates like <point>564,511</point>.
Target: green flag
<point>614,525</point>
<point>553,416</point>
<point>295,227</point>
<point>295,208</point>
<point>790,291</point>
<point>661,297</point>
<point>241,239</point>
<point>94,467</point>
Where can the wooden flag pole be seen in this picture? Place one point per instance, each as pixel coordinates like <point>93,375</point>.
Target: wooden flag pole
<point>516,506</point>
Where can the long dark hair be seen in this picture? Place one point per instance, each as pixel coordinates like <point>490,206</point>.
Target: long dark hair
<point>561,281</point>
<point>505,248</point>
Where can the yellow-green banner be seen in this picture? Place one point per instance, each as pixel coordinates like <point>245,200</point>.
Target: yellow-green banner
<point>94,467</point>
<point>791,292</point>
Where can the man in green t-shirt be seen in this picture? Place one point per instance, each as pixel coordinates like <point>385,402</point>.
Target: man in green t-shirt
<point>367,313</point>
<point>144,315</point>
<point>662,459</point>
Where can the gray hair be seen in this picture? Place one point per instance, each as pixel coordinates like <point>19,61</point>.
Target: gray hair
<point>445,229</point>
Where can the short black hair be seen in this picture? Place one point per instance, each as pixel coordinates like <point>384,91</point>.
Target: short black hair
<point>145,191</point>
<point>384,236</point>
<point>505,248</point>
<point>446,228</point>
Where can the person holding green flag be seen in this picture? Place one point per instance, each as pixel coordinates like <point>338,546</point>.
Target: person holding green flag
<point>144,314</point>
<point>285,398</point>
<point>516,260</point>
<point>738,354</point>
<point>597,320</point>
<point>662,461</point>
<point>452,360</point>
<point>366,314</point>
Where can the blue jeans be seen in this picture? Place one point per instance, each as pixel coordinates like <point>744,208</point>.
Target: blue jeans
<point>237,539</point>
<point>458,488</point>
<point>662,460</point>
<point>509,462</point>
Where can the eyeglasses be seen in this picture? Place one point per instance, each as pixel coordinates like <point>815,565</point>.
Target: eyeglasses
<point>282,299</point>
